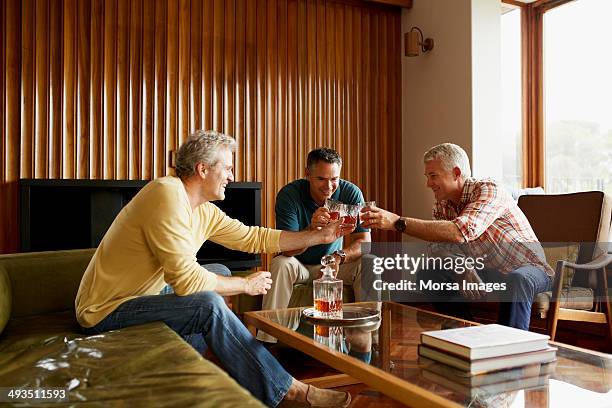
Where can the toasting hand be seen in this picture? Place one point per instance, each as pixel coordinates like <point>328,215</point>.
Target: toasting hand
<point>320,218</point>
<point>374,217</point>
<point>335,230</point>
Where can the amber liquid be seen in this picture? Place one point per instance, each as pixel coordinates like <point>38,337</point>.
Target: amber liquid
<point>327,306</point>
<point>334,215</point>
<point>322,330</point>
<point>350,220</point>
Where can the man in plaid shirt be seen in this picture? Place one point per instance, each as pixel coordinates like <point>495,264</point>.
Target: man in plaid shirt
<point>485,220</point>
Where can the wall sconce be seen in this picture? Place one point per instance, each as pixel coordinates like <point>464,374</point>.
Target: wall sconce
<point>414,42</point>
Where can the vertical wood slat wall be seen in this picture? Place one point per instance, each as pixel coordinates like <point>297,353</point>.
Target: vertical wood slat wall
<point>104,89</point>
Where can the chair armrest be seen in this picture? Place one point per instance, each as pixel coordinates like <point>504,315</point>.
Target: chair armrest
<point>597,263</point>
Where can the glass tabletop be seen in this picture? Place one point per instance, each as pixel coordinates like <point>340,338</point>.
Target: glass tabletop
<point>576,377</point>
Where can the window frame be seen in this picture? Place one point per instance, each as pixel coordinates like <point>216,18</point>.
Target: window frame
<point>532,73</point>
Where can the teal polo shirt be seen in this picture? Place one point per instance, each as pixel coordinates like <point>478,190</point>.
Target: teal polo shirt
<point>294,209</point>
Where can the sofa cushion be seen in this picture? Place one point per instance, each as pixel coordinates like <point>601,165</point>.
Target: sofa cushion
<point>562,252</point>
<point>44,282</point>
<point>572,298</point>
<point>148,365</point>
<point>5,299</point>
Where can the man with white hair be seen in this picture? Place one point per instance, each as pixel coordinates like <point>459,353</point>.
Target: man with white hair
<point>484,217</point>
<point>154,241</point>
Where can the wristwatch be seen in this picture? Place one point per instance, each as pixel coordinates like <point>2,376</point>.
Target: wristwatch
<point>400,224</point>
<point>341,254</point>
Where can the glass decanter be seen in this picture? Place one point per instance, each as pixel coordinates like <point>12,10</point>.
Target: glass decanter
<point>330,336</point>
<point>327,290</point>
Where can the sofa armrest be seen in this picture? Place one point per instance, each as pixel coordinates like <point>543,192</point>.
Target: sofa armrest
<point>6,299</point>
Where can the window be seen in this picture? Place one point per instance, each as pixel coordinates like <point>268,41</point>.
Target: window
<point>512,159</point>
<point>578,97</point>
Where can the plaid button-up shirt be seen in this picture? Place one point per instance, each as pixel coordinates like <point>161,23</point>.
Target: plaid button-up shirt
<point>493,227</point>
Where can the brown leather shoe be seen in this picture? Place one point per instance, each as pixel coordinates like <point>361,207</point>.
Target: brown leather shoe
<point>320,398</point>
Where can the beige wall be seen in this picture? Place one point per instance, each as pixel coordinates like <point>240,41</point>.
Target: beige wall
<point>450,94</point>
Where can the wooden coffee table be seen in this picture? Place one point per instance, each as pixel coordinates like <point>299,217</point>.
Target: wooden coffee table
<point>386,359</point>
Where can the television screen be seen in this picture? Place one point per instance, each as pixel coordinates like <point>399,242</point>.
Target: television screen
<point>74,214</point>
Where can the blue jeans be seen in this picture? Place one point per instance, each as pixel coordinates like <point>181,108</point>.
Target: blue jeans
<point>522,285</point>
<point>197,340</point>
<point>206,313</point>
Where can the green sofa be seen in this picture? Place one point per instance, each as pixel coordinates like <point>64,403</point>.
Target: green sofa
<point>40,345</point>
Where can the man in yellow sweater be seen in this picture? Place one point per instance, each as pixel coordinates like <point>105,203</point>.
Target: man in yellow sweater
<point>154,241</point>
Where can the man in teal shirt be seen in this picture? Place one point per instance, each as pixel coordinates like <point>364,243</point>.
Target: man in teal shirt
<point>300,206</point>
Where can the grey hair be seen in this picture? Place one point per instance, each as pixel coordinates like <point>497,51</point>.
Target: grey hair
<point>202,146</point>
<point>451,156</point>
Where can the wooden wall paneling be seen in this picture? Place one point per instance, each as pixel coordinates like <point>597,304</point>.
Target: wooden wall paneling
<point>12,119</point>
<point>28,76</point>
<point>2,104</point>
<point>270,162</point>
<point>115,85</point>
<point>240,91</point>
<point>281,173</point>
<point>260,97</point>
<point>249,149</point>
<point>292,124</point>
<point>350,135</point>
<point>383,105</point>
<point>229,66</point>
<point>218,23</point>
<point>4,206</point>
<point>123,88</point>
<point>83,90</point>
<point>303,81</point>
<point>41,98</point>
<point>148,94</point>
<point>340,85</point>
<point>172,80</point>
<point>207,61</point>
<point>322,116</point>
<point>195,69</point>
<point>357,99</point>
<point>365,98</point>
<point>96,113</point>
<point>373,136</point>
<point>109,157</point>
<point>70,88</point>
<point>161,86</point>
<point>184,70</point>
<point>312,75</point>
<point>331,100</point>
<point>55,89</point>
<point>135,90</point>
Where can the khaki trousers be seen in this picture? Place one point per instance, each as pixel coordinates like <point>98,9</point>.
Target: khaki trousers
<point>287,271</point>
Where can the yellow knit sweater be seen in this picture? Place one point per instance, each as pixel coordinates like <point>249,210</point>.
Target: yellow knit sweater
<point>153,240</point>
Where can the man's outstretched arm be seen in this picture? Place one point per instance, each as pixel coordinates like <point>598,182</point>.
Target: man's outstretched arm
<point>441,231</point>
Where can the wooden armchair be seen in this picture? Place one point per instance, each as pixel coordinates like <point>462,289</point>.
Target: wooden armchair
<point>580,289</point>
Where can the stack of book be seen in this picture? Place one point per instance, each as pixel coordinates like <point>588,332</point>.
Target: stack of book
<point>529,376</point>
<point>483,349</point>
